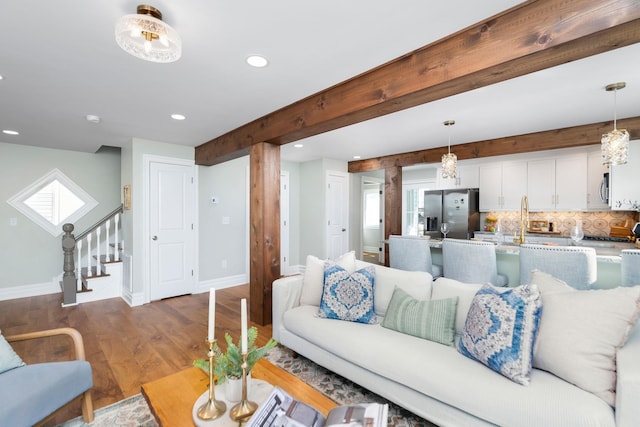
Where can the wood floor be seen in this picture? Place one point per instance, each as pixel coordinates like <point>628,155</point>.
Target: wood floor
<point>126,346</point>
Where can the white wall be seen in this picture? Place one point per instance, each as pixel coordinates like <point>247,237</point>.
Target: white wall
<point>223,243</point>
<point>30,255</point>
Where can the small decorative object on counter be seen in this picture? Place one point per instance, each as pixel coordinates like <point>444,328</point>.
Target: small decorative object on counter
<point>490,223</point>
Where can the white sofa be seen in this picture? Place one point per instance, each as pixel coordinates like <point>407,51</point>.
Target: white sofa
<point>435,381</point>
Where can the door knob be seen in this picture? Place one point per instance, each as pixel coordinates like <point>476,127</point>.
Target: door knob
<point>154,238</point>
<point>344,229</point>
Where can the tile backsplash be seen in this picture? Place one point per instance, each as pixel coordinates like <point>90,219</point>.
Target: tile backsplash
<point>593,223</point>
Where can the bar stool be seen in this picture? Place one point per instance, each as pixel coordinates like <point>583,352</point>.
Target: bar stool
<point>630,267</point>
<point>412,254</point>
<point>577,266</point>
<point>471,261</point>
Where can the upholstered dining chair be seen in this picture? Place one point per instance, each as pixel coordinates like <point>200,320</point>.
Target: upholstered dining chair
<point>577,266</point>
<point>630,267</point>
<point>31,394</point>
<point>471,261</point>
<point>412,253</point>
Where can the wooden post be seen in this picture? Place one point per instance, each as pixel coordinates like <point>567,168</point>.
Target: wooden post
<point>264,231</point>
<point>392,205</point>
<point>69,276</point>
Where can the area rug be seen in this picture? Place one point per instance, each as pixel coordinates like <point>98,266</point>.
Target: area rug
<point>134,412</point>
<point>338,388</point>
<point>130,412</point>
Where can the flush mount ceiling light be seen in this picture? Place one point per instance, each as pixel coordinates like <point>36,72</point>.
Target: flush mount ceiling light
<point>449,160</point>
<point>615,144</point>
<point>145,36</point>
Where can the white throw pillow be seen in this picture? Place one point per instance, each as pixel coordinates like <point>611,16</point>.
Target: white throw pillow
<point>580,332</point>
<point>313,280</point>
<point>415,283</point>
<point>448,288</point>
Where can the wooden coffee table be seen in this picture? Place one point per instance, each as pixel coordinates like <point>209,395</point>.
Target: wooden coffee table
<point>171,398</point>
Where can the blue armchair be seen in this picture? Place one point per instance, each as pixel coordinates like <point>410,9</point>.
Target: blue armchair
<point>32,393</point>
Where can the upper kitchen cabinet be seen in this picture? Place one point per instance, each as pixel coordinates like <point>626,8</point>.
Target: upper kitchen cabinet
<point>596,190</point>
<point>467,177</point>
<point>625,181</point>
<point>502,185</point>
<point>558,184</point>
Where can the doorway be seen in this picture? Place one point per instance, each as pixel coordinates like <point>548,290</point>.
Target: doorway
<point>372,220</point>
<point>170,255</point>
<point>337,213</point>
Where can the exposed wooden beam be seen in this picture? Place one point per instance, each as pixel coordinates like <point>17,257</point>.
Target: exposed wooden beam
<point>577,136</point>
<point>392,205</point>
<point>527,38</point>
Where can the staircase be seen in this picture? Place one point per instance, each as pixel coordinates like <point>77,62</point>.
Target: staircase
<point>93,264</point>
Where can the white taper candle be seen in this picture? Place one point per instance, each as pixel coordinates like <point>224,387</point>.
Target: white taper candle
<point>243,324</point>
<point>212,314</point>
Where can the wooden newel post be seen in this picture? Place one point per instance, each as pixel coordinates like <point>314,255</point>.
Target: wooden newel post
<point>69,277</point>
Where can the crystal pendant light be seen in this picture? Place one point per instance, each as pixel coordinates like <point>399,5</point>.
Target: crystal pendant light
<point>615,144</point>
<point>449,160</point>
<point>145,36</point>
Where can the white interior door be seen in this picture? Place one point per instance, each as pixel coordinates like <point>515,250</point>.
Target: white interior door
<point>337,201</point>
<point>171,232</point>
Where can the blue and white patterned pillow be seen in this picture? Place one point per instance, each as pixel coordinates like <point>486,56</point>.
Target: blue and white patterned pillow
<point>501,329</point>
<point>348,296</point>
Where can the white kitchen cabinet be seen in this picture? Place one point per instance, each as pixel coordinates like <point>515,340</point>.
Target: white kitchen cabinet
<point>595,176</point>
<point>557,184</point>
<point>467,177</point>
<point>625,181</point>
<point>502,185</point>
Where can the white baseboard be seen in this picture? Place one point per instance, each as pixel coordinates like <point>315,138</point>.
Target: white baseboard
<point>221,283</point>
<point>134,299</point>
<point>25,291</point>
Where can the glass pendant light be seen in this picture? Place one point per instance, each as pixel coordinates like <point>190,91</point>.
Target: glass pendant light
<point>615,144</point>
<point>449,160</point>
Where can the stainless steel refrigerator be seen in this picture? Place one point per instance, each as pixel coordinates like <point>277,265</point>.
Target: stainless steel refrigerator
<point>458,208</point>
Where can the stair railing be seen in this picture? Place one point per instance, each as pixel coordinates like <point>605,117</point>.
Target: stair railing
<point>72,278</point>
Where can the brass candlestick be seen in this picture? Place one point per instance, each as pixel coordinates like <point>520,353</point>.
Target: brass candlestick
<point>245,408</point>
<point>212,408</point>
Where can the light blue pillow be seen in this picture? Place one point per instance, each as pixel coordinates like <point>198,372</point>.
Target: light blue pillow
<point>8,358</point>
<point>348,296</point>
<point>501,328</point>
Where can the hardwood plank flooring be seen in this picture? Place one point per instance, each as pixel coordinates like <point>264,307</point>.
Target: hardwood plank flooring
<point>126,346</point>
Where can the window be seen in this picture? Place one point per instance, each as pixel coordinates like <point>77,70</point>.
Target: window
<point>52,201</point>
<point>372,208</point>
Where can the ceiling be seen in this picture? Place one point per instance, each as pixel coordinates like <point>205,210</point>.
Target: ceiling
<point>60,62</point>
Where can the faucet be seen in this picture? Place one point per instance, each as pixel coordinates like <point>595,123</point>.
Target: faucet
<point>524,220</point>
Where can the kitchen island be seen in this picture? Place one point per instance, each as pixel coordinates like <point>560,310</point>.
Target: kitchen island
<point>507,255</point>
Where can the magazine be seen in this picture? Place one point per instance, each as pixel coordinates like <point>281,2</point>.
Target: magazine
<point>280,409</point>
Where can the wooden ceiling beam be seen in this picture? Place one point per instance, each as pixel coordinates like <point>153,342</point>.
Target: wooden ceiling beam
<point>527,38</point>
<point>577,136</point>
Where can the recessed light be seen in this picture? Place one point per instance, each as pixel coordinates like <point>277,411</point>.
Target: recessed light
<point>1,77</point>
<point>178,116</point>
<point>257,61</point>
<point>356,157</point>
<point>92,118</point>
<point>298,145</point>
<point>10,132</point>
